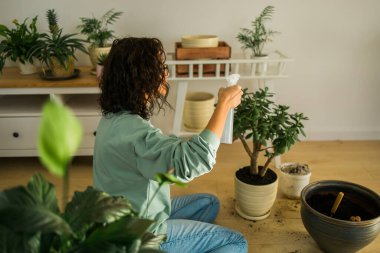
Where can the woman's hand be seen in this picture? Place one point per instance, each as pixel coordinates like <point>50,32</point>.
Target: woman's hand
<point>228,98</point>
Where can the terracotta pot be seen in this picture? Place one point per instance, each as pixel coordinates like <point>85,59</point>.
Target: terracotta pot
<point>254,202</point>
<point>292,183</point>
<point>198,109</point>
<point>335,235</point>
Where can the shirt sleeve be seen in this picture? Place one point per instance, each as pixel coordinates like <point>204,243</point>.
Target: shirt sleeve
<point>156,152</point>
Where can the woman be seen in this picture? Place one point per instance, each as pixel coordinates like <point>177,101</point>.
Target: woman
<point>130,151</point>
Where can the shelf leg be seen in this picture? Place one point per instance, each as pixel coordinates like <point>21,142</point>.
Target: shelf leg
<point>180,102</point>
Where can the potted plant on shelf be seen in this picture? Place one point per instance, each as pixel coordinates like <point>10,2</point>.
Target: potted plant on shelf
<point>93,221</point>
<point>57,50</point>
<point>98,33</point>
<point>18,43</point>
<point>100,64</point>
<point>351,225</point>
<point>254,39</point>
<point>272,130</point>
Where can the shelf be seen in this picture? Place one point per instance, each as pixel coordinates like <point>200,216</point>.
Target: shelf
<point>22,105</point>
<point>83,104</point>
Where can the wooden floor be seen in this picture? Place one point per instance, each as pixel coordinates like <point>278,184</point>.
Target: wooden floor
<point>283,231</point>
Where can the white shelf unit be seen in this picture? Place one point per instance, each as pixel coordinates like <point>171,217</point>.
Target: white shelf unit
<point>246,68</point>
<point>20,108</point>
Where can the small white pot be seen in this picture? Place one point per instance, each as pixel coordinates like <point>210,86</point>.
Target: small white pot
<point>291,184</point>
<point>261,67</point>
<point>26,68</point>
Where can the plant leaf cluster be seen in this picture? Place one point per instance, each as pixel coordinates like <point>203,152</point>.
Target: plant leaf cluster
<point>58,45</point>
<point>102,58</point>
<point>30,221</point>
<point>256,37</point>
<point>97,30</point>
<point>19,41</point>
<point>272,128</point>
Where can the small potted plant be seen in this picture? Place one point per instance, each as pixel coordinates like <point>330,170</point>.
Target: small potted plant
<point>93,221</point>
<point>98,33</point>
<point>18,43</point>
<point>57,50</point>
<point>100,64</point>
<point>254,39</point>
<point>293,178</point>
<point>272,130</point>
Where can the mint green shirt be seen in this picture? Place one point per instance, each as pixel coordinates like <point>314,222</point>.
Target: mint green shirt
<point>129,151</point>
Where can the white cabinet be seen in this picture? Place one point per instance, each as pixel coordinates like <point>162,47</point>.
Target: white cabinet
<point>21,101</point>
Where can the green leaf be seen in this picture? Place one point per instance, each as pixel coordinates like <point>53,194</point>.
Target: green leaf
<point>59,137</point>
<point>23,212</point>
<point>93,206</point>
<point>169,178</point>
<point>44,192</point>
<point>125,231</point>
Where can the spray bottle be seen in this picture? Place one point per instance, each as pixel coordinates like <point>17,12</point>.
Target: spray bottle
<point>227,135</point>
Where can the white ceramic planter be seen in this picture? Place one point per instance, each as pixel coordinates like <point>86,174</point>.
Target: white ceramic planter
<point>198,109</point>
<point>261,67</point>
<point>27,68</point>
<point>254,202</point>
<point>292,184</point>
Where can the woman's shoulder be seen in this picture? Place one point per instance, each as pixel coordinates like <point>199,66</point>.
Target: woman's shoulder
<point>128,120</point>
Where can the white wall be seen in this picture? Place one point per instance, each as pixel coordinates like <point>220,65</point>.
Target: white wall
<point>335,78</point>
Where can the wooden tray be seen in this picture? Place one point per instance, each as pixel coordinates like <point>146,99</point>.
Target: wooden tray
<point>223,51</point>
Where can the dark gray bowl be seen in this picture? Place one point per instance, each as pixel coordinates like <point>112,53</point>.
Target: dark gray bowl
<point>335,235</point>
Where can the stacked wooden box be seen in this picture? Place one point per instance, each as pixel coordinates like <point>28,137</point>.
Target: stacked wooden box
<point>223,51</point>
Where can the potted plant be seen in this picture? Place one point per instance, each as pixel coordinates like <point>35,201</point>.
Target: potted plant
<point>293,178</point>
<point>93,221</point>
<point>57,50</point>
<point>18,43</point>
<point>254,39</point>
<point>100,64</point>
<point>353,223</point>
<point>272,130</point>
<point>98,33</point>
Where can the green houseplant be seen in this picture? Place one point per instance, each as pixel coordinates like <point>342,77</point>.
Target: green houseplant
<point>57,50</point>
<point>18,43</point>
<point>254,39</point>
<point>98,33</point>
<point>272,130</point>
<point>93,221</point>
<point>100,64</point>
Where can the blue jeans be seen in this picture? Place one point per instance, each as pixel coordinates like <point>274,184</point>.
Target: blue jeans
<point>189,228</point>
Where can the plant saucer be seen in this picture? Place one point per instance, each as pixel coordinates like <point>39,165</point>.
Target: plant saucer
<point>248,217</point>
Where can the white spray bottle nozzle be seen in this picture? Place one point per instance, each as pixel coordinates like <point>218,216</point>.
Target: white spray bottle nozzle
<point>227,135</point>
<point>233,79</point>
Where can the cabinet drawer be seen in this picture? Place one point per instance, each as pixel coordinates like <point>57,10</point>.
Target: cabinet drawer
<point>89,124</point>
<point>19,133</point>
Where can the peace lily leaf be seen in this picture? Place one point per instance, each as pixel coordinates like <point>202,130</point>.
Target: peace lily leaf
<point>92,206</point>
<point>44,192</point>
<point>168,178</point>
<point>59,137</point>
<point>151,241</point>
<point>23,213</point>
<point>125,231</point>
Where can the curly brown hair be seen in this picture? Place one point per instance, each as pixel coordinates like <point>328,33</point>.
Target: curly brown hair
<point>133,75</point>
